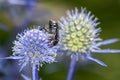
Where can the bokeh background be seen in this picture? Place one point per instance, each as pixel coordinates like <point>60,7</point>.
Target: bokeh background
<point>18,15</point>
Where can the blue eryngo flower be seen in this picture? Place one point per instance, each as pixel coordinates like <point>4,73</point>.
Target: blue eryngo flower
<point>80,36</point>
<point>32,47</point>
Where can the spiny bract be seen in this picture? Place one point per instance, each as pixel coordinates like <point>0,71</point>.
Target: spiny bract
<point>79,31</point>
<point>32,47</point>
<point>80,36</point>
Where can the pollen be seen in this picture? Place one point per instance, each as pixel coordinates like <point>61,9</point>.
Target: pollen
<point>79,35</point>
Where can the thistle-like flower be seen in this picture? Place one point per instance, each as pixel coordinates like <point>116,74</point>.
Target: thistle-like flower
<point>80,36</point>
<point>32,47</point>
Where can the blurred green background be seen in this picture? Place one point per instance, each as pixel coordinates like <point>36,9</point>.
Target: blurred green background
<point>108,13</point>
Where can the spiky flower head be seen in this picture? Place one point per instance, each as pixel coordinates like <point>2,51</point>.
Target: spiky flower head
<point>80,36</point>
<point>32,47</point>
<point>79,31</point>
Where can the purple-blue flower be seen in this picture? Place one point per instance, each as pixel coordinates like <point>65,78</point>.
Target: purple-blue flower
<point>31,47</point>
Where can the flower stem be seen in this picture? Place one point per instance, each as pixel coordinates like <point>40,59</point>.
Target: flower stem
<point>72,66</point>
<point>34,73</point>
